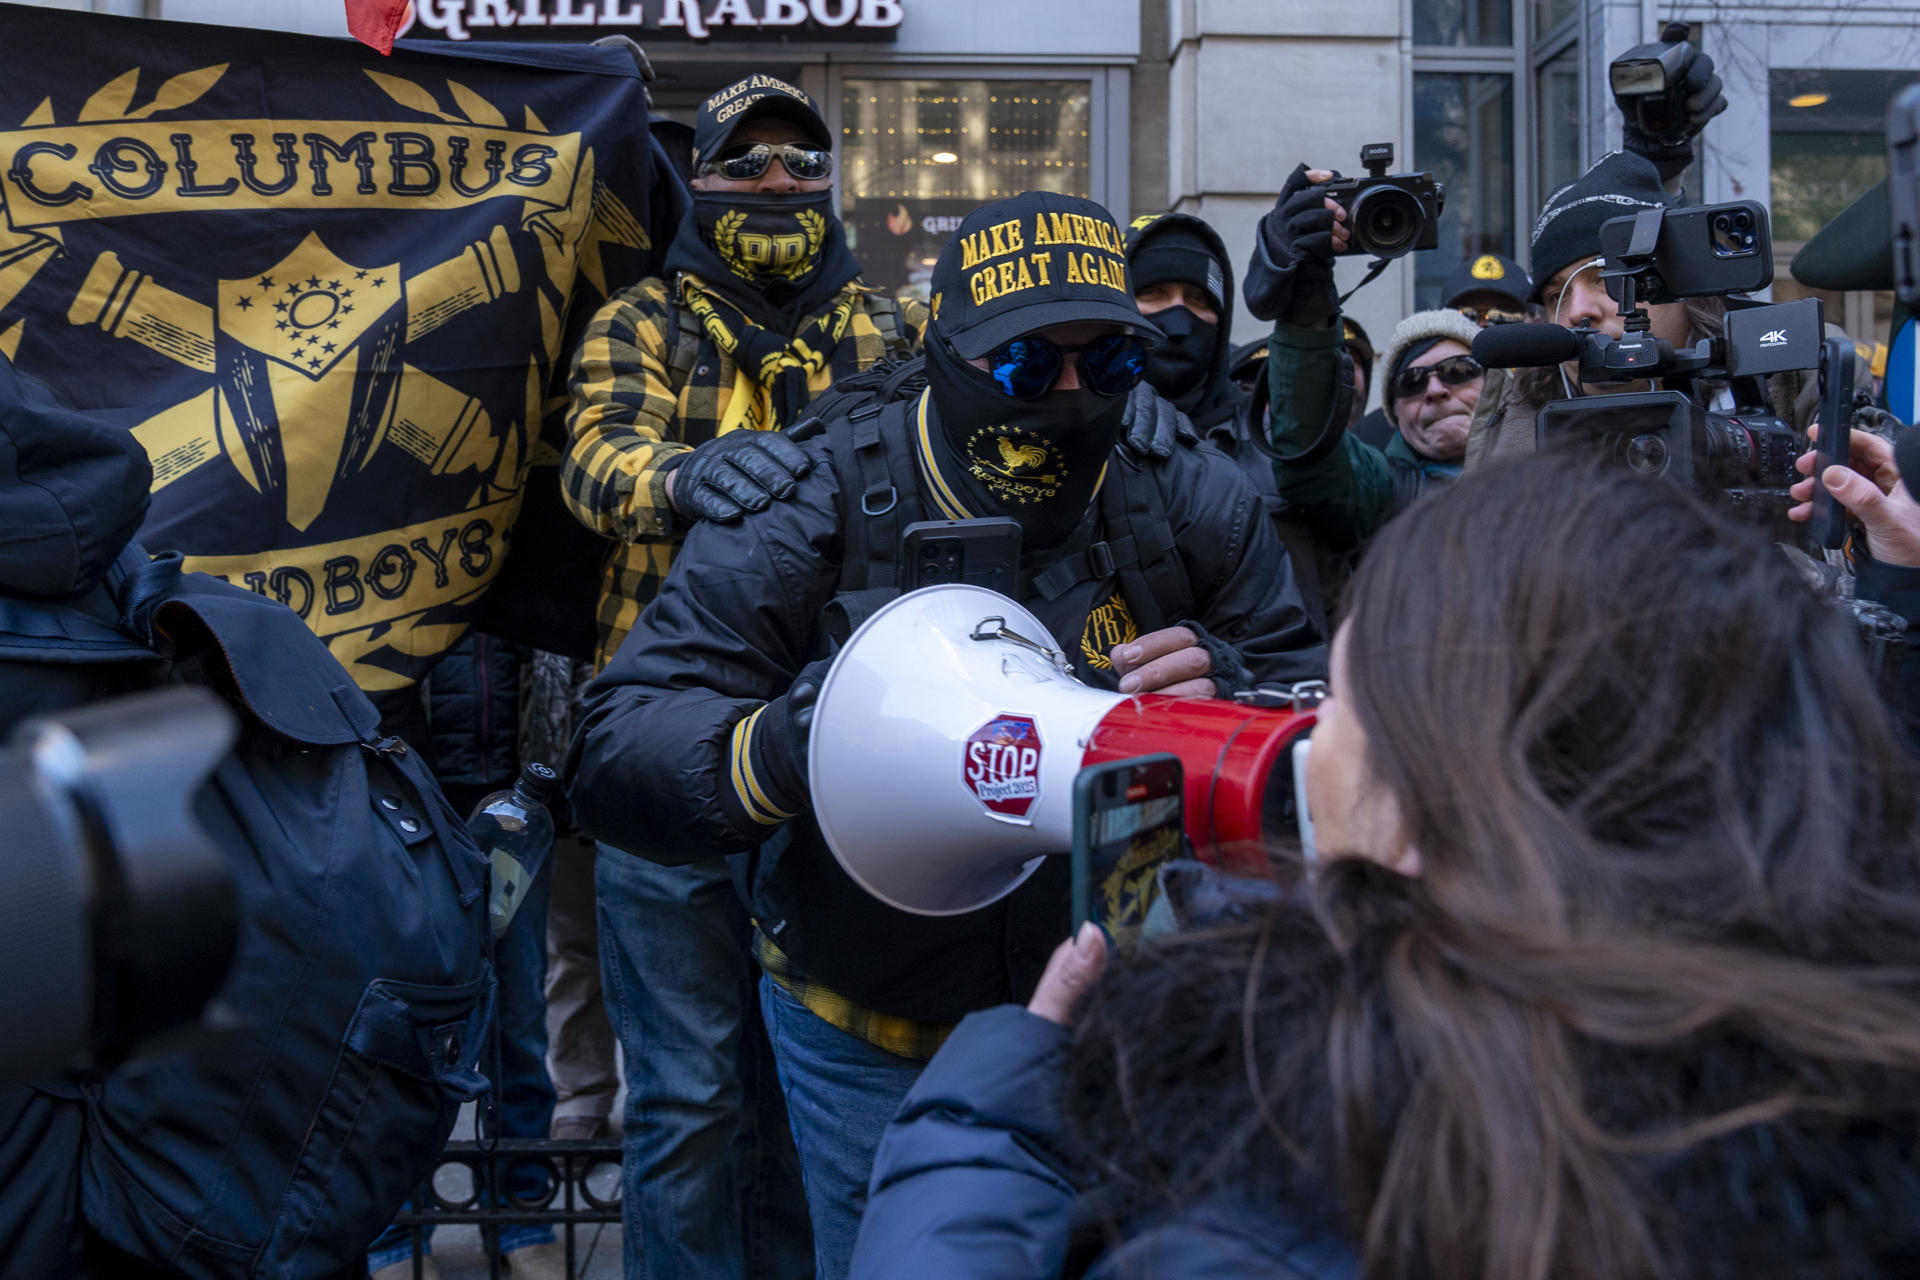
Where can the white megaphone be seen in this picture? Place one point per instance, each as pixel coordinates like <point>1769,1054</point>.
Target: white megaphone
<point>948,733</point>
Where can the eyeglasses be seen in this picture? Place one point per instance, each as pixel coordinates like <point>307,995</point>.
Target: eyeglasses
<point>1453,371</point>
<point>1484,316</point>
<point>1110,365</point>
<point>743,164</point>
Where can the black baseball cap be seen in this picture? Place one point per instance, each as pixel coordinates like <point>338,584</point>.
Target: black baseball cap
<point>1029,261</point>
<point>1489,273</point>
<point>754,98</point>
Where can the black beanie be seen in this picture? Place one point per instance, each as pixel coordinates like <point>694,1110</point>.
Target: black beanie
<point>1568,229</point>
<point>1177,254</point>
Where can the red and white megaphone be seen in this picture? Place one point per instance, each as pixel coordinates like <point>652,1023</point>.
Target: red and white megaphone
<point>948,733</point>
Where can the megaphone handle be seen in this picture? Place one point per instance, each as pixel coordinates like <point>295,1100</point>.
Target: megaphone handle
<point>995,628</point>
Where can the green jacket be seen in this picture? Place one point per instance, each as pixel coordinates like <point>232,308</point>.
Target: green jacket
<point>1348,494</point>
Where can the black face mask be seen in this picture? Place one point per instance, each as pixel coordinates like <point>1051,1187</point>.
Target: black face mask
<point>1181,366</point>
<point>764,237</point>
<point>1034,460</point>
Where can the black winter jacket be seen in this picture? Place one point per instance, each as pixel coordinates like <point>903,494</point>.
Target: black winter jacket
<point>1898,588</point>
<point>473,711</point>
<point>737,619</point>
<point>1321,572</point>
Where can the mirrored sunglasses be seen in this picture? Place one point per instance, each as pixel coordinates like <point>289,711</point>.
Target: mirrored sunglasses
<point>1484,316</point>
<point>1027,367</point>
<point>1453,371</point>
<point>743,164</point>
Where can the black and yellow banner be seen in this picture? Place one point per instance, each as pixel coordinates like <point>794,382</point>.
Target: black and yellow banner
<point>326,290</point>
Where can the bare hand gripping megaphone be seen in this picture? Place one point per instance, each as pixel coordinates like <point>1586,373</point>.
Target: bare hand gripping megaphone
<point>948,733</point>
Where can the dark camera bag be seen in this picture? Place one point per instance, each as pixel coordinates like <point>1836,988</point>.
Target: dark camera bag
<point>278,1139</point>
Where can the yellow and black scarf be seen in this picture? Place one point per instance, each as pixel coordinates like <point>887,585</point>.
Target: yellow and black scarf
<point>775,376</point>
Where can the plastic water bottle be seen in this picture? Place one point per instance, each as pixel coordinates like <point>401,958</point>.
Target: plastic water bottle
<point>515,832</point>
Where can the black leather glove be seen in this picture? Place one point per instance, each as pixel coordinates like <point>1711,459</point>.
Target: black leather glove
<point>777,748</point>
<point>1291,278</point>
<point>1672,153</point>
<point>1153,426</point>
<point>736,473</point>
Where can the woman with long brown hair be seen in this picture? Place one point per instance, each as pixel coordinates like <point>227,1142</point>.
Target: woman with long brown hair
<point>1610,966</point>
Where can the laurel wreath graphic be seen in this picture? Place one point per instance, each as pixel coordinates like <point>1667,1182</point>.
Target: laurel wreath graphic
<point>814,226</point>
<point>725,231</point>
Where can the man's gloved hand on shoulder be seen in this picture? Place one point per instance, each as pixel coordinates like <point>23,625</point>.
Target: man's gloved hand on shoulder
<point>1153,426</point>
<point>733,474</point>
<point>1291,277</point>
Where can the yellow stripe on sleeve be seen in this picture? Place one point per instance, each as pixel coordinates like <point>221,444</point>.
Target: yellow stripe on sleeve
<point>747,787</point>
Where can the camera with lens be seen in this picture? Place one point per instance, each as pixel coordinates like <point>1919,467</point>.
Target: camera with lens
<point>122,918</point>
<point>1389,214</point>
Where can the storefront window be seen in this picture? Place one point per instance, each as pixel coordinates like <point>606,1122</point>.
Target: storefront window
<point>1463,22</point>
<point>1557,119</point>
<point>1829,142</point>
<point>918,155</point>
<point>1828,147</point>
<point>1463,132</point>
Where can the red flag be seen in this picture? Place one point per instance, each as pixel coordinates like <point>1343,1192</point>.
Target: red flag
<point>376,22</point>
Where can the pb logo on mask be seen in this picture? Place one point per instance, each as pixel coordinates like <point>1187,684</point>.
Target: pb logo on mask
<point>758,242</point>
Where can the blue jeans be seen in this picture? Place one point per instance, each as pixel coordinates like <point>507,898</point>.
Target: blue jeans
<point>841,1092</point>
<point>710,1184</point>
<point>525,1092</point>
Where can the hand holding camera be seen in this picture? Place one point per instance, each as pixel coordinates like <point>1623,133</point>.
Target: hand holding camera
<point>1300,237</point>
<point>1667,91</point>
<point>1871,490</point>
<point>1320,216</point>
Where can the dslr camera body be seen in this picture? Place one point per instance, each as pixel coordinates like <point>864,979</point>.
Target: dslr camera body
<point>1389,215</point>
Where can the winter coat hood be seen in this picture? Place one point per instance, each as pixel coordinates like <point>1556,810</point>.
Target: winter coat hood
<point>72,492</point>
<point>1217,397</point>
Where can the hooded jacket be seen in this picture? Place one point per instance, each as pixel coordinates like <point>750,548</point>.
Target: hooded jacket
<point>1216,398</point>
<point>72,493</point>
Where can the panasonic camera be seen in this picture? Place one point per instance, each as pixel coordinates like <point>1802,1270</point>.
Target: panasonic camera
<point>1389,215</point>
<point>1712,428</point>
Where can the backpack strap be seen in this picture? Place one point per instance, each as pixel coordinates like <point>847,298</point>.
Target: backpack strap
<point>1138,549</point>
<point>884,311</point>
<point>871,453</point>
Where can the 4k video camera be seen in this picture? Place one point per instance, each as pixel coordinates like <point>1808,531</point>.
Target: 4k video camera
<point>1738,454</point>
<point>1389,214</point>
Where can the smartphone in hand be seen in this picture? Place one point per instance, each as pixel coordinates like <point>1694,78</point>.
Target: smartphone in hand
<point>1828,528</point>
<point>1128,819</point>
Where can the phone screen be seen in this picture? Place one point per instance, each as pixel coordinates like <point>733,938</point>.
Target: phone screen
<point>1127,820</point>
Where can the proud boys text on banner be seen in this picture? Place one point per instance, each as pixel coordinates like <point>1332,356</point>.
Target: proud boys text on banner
<point>325,289</point>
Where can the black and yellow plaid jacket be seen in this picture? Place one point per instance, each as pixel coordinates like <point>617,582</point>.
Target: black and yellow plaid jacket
<point>646,385</point>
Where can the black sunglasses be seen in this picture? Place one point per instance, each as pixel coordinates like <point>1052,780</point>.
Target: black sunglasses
<point>743,164</point>
<point>1453,371</point>
<point>1027,367</point>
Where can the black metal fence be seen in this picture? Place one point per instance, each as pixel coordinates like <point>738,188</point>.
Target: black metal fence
<point>460,1192</point>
